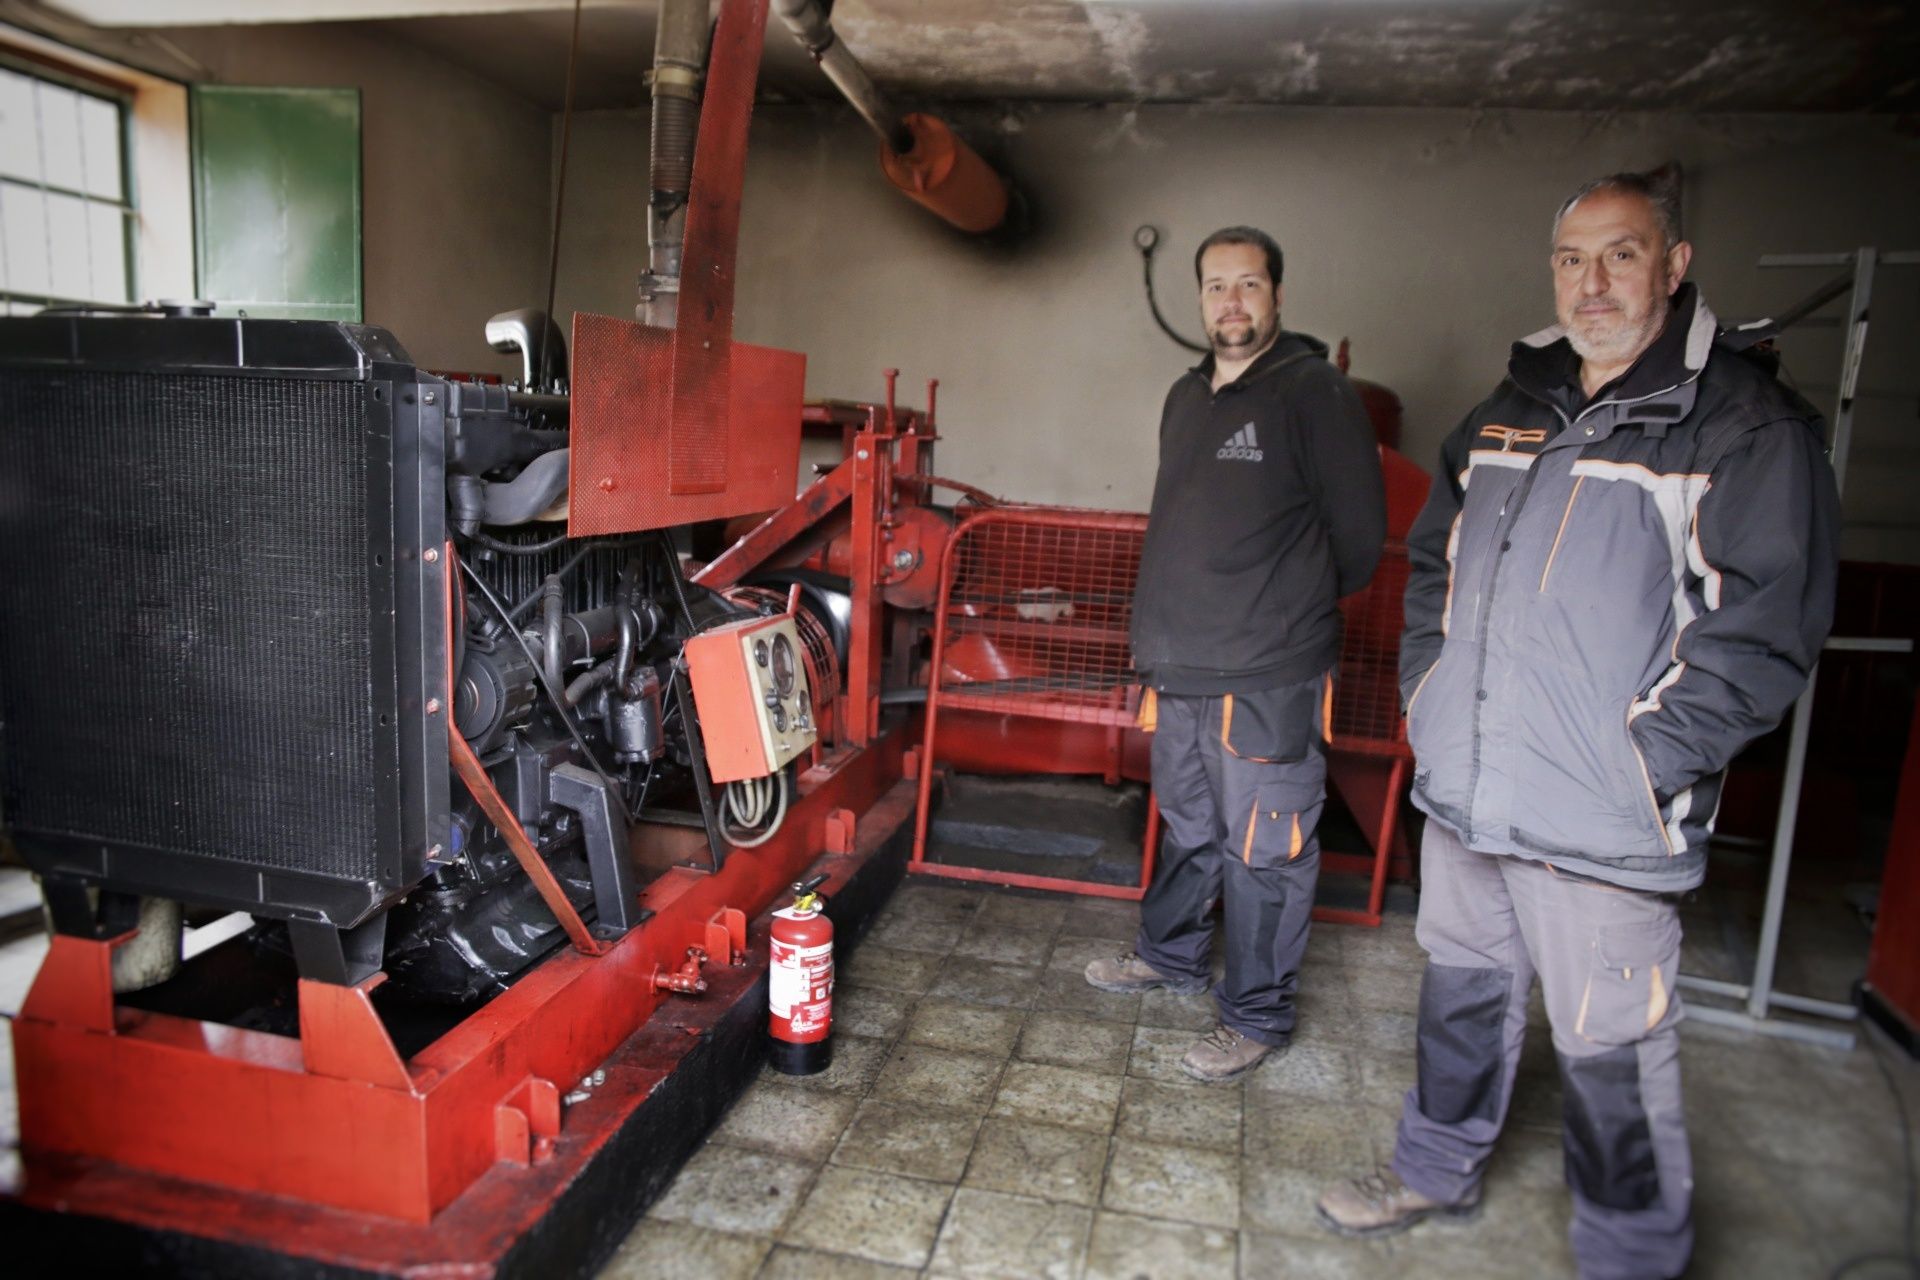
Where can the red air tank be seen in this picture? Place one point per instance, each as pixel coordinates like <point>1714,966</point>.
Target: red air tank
<point>800,985</point>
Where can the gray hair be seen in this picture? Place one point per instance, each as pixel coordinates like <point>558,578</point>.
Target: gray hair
<point>1658,187</point>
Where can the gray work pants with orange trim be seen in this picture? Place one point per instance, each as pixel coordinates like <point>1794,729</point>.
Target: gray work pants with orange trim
<point>1606,958</point>
<point>1240,828</point>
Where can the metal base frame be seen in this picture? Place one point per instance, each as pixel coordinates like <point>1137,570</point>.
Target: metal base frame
<point>614,1151</point>
<point>336,1119</point>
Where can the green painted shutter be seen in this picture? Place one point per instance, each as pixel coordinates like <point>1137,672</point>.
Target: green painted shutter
<point>276,185</point>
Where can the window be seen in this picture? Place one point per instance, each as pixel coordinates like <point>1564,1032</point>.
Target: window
<point>66,207</point>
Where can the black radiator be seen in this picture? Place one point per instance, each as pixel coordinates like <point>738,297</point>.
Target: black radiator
<point>218,633</point>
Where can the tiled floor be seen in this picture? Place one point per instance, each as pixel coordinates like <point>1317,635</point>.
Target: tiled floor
<point>989,1114</point>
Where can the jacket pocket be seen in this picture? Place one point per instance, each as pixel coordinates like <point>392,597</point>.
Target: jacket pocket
<point>1274,726</point>
<point>1630,983</point>
<point>1645,779</point>
<point>1565,516</point>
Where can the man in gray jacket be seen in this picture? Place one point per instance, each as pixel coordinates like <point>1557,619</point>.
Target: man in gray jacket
<point>1623,575</point>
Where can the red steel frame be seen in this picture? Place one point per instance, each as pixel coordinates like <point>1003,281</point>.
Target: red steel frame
<point>1103,699</point>
<point>1043,732</point>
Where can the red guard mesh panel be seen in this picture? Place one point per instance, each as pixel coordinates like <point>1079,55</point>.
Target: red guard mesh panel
<point>1366,701</point>
<point>1035,614</point>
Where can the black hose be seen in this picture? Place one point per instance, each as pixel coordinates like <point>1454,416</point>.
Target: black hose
<point>587,682</point>
<point>1147,239</point>
<point>494,544</point>
<point>678,582</point>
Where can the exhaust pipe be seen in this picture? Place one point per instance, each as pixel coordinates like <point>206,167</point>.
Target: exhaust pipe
<point>924,159</point>
<point>679,66</point>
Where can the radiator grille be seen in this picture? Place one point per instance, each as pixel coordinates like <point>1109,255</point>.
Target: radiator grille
<point>186,635</point>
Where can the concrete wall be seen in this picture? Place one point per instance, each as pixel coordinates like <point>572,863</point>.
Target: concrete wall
<point>1421,235</point>
<point>454,180</point>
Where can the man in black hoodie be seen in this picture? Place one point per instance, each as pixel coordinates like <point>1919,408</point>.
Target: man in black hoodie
<point>1268,507</point>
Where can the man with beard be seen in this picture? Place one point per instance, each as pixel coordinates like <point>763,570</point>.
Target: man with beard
<point>1623,575</point>
<point>1268,507</point>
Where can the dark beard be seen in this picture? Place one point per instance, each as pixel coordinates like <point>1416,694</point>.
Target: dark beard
<point>1259,337</point>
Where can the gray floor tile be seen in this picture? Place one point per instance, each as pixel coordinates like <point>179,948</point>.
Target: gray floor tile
<point>1518,1222</point>
<point>990,1234</point>
<point>1390,1031</point>
<point>1194,1115</point>
<point>984,982</point>
<point>1028,1158</point>
<point>1075,1040</point>
<point>1037,915</point>
<point>801,1123</point>
<point>1378,986</point>
<point>1157,1052</point>
<point>1279,1198</point>
<point>986,1030</point>
<point>732,1189</point>
<point>873,1012</point>
<point>1264,1256</point>
<point>1386,1077</point>
<point>1067,990</point>
<point>1160,1180</point>
<point>1126,1247</point>
<point>1073,952</point>
<point>878,1216</point>
<point>1306,1133</point>
<point>1436,1251</point>
<point>1311,1071</point>
<point>889,969</point>
<point>1381,949</point>
<point>1103,918</point>
<point>935,902</point>
<point>856,1063</point>
<point>658,1250</point>
<point>919,1075</point>
<point>1162,1008</point>
<point>1023,947</point>
<point>889,1137</point>
<point>908,933</point>
<point>789,1263</point>
<point>1058,1095</point>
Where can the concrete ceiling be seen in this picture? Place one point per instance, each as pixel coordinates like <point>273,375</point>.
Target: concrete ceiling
<point>1587,55</point>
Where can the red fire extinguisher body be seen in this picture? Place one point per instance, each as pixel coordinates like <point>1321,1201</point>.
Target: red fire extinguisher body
<point>800,989</point>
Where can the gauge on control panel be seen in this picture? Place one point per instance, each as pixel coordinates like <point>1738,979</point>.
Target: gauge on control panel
<point>783,666</point>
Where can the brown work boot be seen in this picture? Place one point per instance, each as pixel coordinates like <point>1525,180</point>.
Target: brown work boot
<point>1379,1204</point>
<point>1224,1054</point>
<point>1130,975</point>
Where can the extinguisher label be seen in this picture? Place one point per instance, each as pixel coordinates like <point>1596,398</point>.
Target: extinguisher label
<point>799,983</point>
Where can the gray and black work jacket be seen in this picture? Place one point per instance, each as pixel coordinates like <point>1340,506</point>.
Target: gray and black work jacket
<point>1609,598</point>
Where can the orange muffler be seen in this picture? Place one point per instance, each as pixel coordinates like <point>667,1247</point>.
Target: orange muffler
<point>946,176</point>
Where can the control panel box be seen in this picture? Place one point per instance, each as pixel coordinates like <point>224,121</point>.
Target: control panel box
<point>750,688</point>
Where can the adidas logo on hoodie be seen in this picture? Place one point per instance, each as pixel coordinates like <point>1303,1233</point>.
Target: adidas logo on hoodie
<point>1242,446</point>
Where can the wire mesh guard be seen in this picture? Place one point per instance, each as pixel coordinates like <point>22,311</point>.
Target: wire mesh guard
<point>1366,702</point>
<point>1035,616</point>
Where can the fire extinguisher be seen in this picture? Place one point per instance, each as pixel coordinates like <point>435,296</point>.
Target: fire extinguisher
<point>800,984</point>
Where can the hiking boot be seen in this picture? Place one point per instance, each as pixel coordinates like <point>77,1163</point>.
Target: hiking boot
<point>1379,1204</point>
<point>1224,1054</point>
<point>1129,975</point>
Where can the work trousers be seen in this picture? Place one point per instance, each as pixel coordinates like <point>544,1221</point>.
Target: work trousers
<point>1240,784</point>
<point>1607,959</point>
